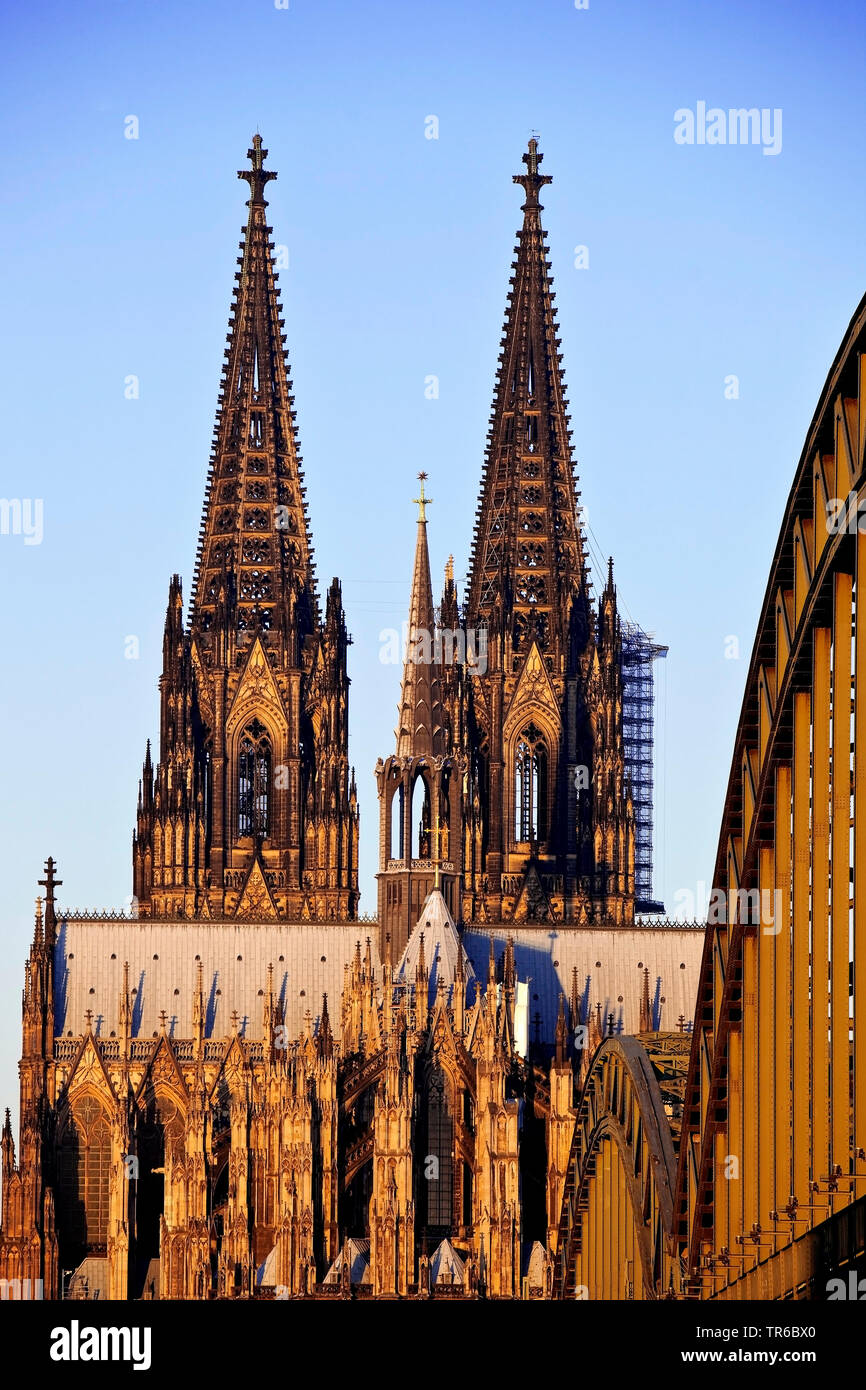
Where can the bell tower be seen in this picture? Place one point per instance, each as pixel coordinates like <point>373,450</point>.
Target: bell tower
<point>251,809</point>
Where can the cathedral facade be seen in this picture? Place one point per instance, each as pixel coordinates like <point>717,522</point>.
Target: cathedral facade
<point>242,1090</point>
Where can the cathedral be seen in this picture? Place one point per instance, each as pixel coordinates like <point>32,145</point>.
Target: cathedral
<point>242,1089</point>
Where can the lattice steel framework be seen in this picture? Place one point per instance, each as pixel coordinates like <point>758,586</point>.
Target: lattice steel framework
<point>770,1191</point>
<point>639,652</point>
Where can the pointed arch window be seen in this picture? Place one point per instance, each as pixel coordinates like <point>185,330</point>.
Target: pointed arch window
<point>84,1171</point>
<point>421,817</point>
<point>530,787</point>
<point>439,1187</point>
<point>396,846</point>
<point>254,781</point>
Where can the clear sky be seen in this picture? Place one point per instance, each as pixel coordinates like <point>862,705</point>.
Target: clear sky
<point>116,260</point>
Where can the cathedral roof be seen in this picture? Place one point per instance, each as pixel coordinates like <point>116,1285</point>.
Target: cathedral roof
<point>603,965</point>
<point>357,1252</point>
<point>308,960</point>
<point>441,945</point>
<point>446,1266</point>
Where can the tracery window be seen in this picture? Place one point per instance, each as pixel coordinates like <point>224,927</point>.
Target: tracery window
<point>440,1144</point>
<point>530,787</point>
<point>254,781</point>
<point>84,1171</point>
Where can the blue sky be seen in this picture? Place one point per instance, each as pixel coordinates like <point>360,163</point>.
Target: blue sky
<point>117,257</point>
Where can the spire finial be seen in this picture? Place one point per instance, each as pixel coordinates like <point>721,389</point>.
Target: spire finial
<point>258,175</point>
<point>532,181</point>
<point>49,882</point>
<point>422,502</point>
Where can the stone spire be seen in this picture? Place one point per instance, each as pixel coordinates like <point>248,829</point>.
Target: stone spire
<point>255,556</point>
<point>419,731</point>
<point>528,565</point>
<point>259,818</point>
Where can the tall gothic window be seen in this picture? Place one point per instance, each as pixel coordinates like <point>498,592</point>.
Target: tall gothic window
<point>421,817</point>
<point>84,1172</point>
<point>397,848</point>
<point>439,1185</point>
<point>254,781</point>
<point>530,787</point>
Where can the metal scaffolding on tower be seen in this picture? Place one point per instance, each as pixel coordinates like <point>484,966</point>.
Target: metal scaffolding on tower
<point>639,652</point>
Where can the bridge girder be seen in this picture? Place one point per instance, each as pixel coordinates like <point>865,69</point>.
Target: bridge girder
<point>772,1145</point>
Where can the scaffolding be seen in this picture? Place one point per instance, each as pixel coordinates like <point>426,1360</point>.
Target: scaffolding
<point>639,652</point>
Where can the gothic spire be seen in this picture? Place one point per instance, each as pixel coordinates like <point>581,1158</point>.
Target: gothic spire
<point>528,566</point>
<point>419,731</point>
<point>255,557</point>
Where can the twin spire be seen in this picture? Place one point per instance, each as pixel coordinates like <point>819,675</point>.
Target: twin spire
<point>528,572</point>
<point>528,564</point>
<point>255,556</point>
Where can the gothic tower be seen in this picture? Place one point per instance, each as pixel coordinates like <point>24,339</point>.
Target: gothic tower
<point>549,826</point>
<point>421,784</point>
<point>252,808</point>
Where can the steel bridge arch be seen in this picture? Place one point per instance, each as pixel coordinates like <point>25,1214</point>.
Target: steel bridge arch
<point>774,1129</point>
<point>618,1200</point>
<point>769,1194</point>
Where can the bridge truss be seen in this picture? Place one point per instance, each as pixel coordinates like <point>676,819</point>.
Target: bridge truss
<point>753,1184</point>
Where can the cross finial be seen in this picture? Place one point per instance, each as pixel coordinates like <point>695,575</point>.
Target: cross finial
<point>49,882</point>
<point>532,181</point>
<point>422,502</point>
<point>258,175</point>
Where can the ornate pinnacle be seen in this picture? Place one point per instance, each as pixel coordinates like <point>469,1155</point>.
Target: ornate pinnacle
<point>422,502</point>
<point>257,176</point>
<point>532,181</point>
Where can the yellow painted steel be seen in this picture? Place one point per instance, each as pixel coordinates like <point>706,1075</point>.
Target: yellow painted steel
<point>801,1011</point>
<point>743,1188</point>
<point>841,890</point>
<point>781,1010</point>
<point>766,1056</point>
<point>859,1012</point>
<point>820,903</point>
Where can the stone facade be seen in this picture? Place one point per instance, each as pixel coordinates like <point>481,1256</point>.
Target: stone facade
<point>231,1093</point>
